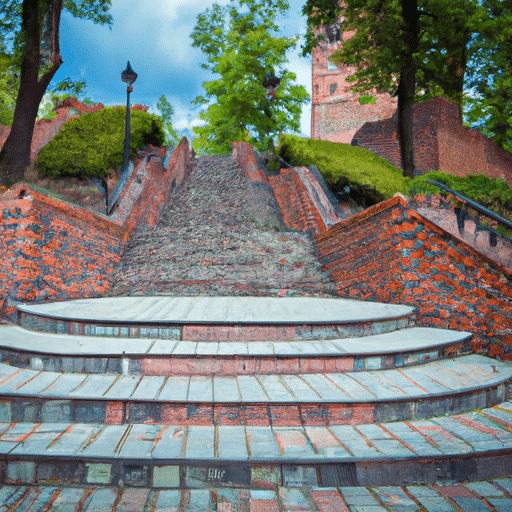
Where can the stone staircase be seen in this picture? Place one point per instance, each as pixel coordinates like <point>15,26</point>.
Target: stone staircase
<point>248,403</point>
<point>220,235</point>
<point>221,375</point>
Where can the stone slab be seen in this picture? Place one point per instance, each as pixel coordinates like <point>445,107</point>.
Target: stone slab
<point>189,310</point>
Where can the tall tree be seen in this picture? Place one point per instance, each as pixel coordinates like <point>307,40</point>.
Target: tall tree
<point>489,78</point>
<point>166,114</point>
<point>255,97</point>
<point>35,25</point>
<point>403,47</point>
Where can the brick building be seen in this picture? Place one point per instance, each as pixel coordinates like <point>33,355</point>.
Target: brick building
<point>441,141</point>
<point>336,113</point>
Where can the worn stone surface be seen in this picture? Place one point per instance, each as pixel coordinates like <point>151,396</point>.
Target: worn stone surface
<point>220,235</point>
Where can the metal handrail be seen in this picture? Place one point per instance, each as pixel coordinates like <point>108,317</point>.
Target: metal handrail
<point>472,204</point>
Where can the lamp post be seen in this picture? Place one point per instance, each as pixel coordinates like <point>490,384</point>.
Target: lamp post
<point>128,76</point>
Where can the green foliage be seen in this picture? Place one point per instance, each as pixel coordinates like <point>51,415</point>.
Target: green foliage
<point>67,87</point>
<point>493,194</point>
<point>11,18</point>
<point>166,113</point>
<point>92,144</point>
<point>241,45</point>
<point>378,48</point>
<point>9,82</point>
<point>489,104</point>
<point>367,99</point>
<point>370,178</point>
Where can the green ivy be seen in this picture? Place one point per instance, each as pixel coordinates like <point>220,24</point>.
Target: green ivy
<point>91,145</point>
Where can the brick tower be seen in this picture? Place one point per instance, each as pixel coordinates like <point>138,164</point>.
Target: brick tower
<point>336,113</point>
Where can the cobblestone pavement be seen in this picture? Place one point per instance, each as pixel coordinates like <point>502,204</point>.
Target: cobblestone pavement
<point>220,235</point>
<point>491,496</point>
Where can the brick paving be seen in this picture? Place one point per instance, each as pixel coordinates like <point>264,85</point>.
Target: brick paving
<point>220,235</point>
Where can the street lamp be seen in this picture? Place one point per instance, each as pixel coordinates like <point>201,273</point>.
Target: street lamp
<point>128,76</point>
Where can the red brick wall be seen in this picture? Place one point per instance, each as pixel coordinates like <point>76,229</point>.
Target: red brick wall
<point>142,199</point>
<point>390,253</point>
<point>53,250</point>
<point>441,143</point>
<point>296,205</point>
<point>300,196</point>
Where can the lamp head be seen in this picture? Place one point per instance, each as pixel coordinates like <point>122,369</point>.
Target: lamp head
<point>128,76</point>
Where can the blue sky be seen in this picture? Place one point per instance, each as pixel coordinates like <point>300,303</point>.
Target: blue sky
<point>154,35</point>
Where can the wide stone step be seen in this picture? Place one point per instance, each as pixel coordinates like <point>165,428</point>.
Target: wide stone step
<point>470,446</point>
<point>480,495</point>
<point>142,356</point>
<point>216,318</point>
<point>434,388</point>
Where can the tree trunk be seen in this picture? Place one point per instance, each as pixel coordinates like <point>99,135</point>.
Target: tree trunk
<point>15,154</point>
<point>407,86</point>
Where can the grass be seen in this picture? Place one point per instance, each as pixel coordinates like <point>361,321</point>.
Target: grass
<point>371,178</point>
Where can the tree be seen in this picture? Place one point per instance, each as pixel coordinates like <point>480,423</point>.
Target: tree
<point>255,97</point>
<point>489,77</point>
<point>402,47</point>
<point>166,113</point>
<point>35,26</point>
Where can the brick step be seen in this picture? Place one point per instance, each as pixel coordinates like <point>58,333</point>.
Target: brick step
<point>470,446</point>
<point>217,318</point>
<point>468,496</point>
<point>434,388</point>
<point>142,356</point>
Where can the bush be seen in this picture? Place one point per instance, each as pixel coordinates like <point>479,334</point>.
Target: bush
<point>92,144</point>
<point>371,178</point>
<point>367,99</point>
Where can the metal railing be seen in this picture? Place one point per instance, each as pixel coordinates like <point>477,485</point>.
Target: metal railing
<point>475,206</point>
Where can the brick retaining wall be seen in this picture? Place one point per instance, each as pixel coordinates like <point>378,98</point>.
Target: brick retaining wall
<point>302,195</point>
<point>390,253</point>
<point>441,143</point>
<point>52,250</point>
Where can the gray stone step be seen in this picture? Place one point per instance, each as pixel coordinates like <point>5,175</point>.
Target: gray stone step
<point>493,495</point>
<point>434,388</point>
<point>217,318</point>
<point>142,356</point>
<point>463,447</point>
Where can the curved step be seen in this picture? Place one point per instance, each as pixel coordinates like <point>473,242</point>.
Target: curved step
<point>439,387</point>
<point>468,446</point>
<point>436,498</point>
<point>64,353</point>
<point>216,318</point>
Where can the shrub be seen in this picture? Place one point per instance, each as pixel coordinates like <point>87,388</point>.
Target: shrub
<point>367,99</point>
<point>92,144</point>
<point>370,177</point>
